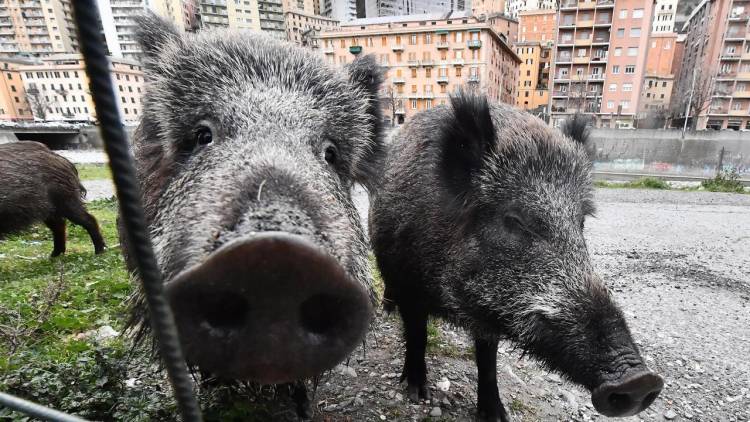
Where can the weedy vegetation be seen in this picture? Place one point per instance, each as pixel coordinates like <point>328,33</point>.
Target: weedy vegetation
<point>93,171</point>
<point>725,181</point>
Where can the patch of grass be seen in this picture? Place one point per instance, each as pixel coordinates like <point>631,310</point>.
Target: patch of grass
<point>377,279</point>
<point>437,344</point>
<point>93,171</point>
<point>642,183</point>
<point>724,182</point>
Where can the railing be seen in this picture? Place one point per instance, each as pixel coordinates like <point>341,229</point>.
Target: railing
<point>399,81</point>
<point>458,62</point>
<point>474,43</point>
<point>398,47</point>
<point>442,45</point>
<point>474,79</point>
<point>442,79</point>
<point>428,62</point>
<point>413,63</point>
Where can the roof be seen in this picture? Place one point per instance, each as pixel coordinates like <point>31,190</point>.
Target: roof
<point>408,18</point>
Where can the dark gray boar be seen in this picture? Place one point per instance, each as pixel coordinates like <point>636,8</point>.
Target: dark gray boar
<point>246,154</point>
<point>38,185</point>
<point>480,221</point>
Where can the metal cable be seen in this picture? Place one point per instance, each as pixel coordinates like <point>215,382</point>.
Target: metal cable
<point>131,212</point>
<point>35,410</point>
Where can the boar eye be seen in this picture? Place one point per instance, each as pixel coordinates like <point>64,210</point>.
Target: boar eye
<point>330,153</point>
<point>203,135</point>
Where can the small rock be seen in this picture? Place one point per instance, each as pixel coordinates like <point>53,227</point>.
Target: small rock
<point>131,382</point>
<point>444,384</point>
<point>436,412</point>
<point>347,371</point>
<point>391,394</point>
<point>670,414</point>
<point>554,378</point>
<point>399,397</point>
<point>382,417</point>
<point>358,401</point>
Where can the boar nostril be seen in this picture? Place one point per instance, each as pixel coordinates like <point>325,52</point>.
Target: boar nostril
<point>224,310</point>
<point>620,402</point>
<point>650,397</point>
<point>323,313</point>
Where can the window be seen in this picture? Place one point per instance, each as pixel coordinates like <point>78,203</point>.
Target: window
<point>414,73</point>
<point>632,51</point>
<point>610,104</point>
<point>625,104</point>
<point>627,87</point>
<point>428,72</point>
<point>613,87</point>
<point>383,41</point>
<point>629,69</point>
<point>623,13</point>
<point>618,51</point>
<point>458,71</point>
<point>413,104</point>
<point>664,84</point>
<point>635,32</point>
<point>637,14</point>
<point>413,39</point>
<point>620,32</point>
<point>615,69</point>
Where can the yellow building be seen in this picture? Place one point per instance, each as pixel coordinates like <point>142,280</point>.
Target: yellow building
<point>427,58</point>
<point>533,80</point>
<point>13,104</point>
<point>57,89</point>
<point>304,28</point>
<point>31,26</point>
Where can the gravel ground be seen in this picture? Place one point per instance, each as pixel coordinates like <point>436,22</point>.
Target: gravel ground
<point>679,265</point>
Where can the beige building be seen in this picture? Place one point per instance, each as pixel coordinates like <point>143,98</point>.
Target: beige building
<point>13,104</point>
<point>36,27</point>
<point>533,80</point>
<point>537,25</point>
<point>427,58</point>
<point>57,89</point>
<point>481,8</point>
<point>304,29</point>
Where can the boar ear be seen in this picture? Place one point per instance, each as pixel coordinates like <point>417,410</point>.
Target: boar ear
<point>154,33</point>
<point>467,135</point>
<point>366,73</point>
<point>576,127</point>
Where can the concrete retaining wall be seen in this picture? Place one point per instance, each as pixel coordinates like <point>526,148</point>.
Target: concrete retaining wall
<point>664,152</point>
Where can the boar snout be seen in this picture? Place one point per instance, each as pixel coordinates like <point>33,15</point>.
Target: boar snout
<point>271,307</point>
<point>628,396</point>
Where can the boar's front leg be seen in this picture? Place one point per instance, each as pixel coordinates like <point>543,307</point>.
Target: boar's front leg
<point>301,400</point>
<point>489,405</point>
<point>415,367</point>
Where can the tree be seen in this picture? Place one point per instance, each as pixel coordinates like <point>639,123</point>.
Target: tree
<point>40,104</point>
<point>700,86</point>
<point>389,100</point>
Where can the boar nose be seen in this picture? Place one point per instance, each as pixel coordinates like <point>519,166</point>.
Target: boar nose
<point>629,396</point>
<point>270,308</point>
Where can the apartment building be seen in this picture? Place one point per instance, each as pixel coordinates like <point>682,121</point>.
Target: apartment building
<point>506,26</point>
<point>514,7</point>
<point>487,7</point>
<point>271,15</point>
<point>341,10</point>
<point>537,25</point>
<point>13,103</point>
<point>428,57</point>
<point>533,79</point>
<point>57,89</point>
<point>382,8</point>
<point>30,26</point>
<point>304,28</point>
<point>600,60</point>
<point>717,58</point>
<point>658,80</point>
<point>665,12</point>
<point>182,13</point>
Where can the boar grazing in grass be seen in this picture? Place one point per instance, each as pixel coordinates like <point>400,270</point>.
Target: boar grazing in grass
<point>246,154</point>
<point>37,185</point>
<point>479,221</point>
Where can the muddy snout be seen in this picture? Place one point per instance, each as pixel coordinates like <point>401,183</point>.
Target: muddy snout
<point>628,396</point>
<point>270,308</point>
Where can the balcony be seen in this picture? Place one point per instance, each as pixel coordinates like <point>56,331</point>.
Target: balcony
<point>599,59</point>
<point>583,41</point>
<point>563,59</point>
<point>743,75</point>
<point>399,81</point>
<point>474,44</point>
<point>559,94</point>
<point>567,5</point>
<point>571,23</point>
<point>726,75</point>
<point>579,59</point>
<point>586,5</point>
<point>600,40</point>
<point>562,77</point>
<point>741,94</point>
<point>730,56</point>
<point>400,110</point>
<point>328,50</point>
<point>412,63</point>
<point>442,80</point>
<point>473,79</point>
<point>565,42</point>
<point>600,22</point>
<point>738,17</point>
<point>603,4</point>
<point>458,62</point>
<point>355,49</point>
<point>398,47</point>
<point>428,63</point>
<point>443,45</point>
<point>735,36</point>
<point>582,23</point>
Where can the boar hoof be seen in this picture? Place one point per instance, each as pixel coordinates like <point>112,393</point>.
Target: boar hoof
<point>56,253</point>
<point>99,251</point>
<point>492,412</point>
<point>302,402</point>
<point>418,392</point>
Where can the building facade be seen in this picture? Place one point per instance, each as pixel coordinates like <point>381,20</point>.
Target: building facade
<point>304,29</point>
<point>600,60</point>
<point>382,8</point>
<point>340,10</point>
<point>487,7</point>
<point>13,102</point>
<point>665,12</point>
<point>506,26</point>
<point>514,7</point>
<point>533,79</point>
<point>36,28</point>
<point>537,25</point>
<point>57,89</point>
<point>716,66</point>
<point>427,58</point>
<point>658,81</point>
